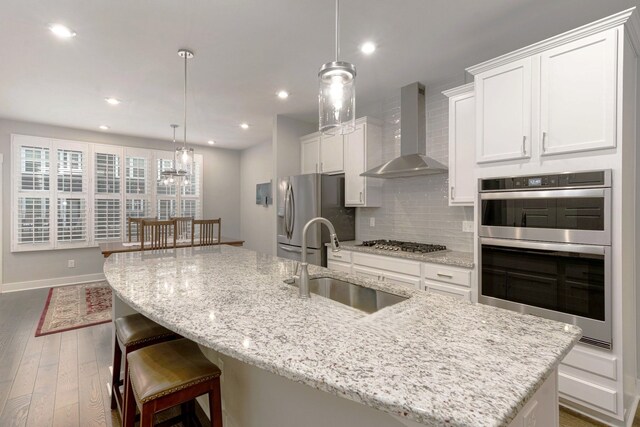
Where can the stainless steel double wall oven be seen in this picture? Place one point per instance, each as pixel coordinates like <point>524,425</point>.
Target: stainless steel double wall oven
<point>545,248</point>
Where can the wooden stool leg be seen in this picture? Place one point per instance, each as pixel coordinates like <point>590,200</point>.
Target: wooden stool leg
<point>215,404</point>
<point>115,378</point>
<point>129,406</point>
<point>187,411</point>
<point>146,416</point>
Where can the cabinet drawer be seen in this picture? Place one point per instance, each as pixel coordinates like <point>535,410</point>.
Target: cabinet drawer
<point>452,291</point>
<point>397,265</point>
<point>585,392</point>
<point>456,276</point>
<point>589,361</point>
<point>342,256</point>
<point>339,266</point>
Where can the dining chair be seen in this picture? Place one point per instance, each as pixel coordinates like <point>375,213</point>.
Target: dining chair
<point>133,226</point>
<point>183,225</point>
<point>158,234</point>
<point>206,231</point>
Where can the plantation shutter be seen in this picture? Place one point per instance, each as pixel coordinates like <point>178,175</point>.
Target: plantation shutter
<point>107,210</point>
<point>71,193</point>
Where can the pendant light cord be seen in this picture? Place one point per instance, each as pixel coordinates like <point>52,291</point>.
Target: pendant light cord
<point>337,29</point>
<point>186,55</point>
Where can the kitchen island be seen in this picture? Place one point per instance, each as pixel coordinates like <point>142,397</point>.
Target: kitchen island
<point>430,360</point>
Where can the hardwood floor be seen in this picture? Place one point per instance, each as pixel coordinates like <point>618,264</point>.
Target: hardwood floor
<point>62,379</point>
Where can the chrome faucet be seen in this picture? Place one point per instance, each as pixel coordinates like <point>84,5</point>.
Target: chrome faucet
<point>303,286</point>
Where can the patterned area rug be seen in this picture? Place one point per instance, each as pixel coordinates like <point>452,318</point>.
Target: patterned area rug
<point>74,307</point>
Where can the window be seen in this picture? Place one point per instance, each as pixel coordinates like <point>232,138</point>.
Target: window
<point>68,194</point>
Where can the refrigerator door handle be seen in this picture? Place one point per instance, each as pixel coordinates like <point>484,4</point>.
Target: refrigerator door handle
<point>292,212</point>
<point>286,210</point>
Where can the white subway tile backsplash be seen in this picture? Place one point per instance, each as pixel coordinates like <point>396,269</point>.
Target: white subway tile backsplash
<point>416,209</point>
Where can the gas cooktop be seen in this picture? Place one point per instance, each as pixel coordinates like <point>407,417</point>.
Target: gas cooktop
<point>397,245</point>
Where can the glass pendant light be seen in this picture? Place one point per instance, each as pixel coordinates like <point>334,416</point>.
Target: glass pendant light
<point>183,160</point>
<point>168,174</point>
<point>337,94</point>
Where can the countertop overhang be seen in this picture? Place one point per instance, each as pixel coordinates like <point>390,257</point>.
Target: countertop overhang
<point>432,359</point>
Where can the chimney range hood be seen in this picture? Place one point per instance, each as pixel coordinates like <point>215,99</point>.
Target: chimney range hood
<point>413,137</point>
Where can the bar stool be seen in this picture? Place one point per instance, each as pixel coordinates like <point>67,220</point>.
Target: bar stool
<point>132,333</point>
<point>165,375</point>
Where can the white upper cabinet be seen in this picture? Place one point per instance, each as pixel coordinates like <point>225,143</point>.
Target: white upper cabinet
<point>331,154</point>
<point>578,95</point>
<point>503,105</point>
<point>310,153</point>
<point>350,154</point>
<point>462,140</point>
<point>355,160</point>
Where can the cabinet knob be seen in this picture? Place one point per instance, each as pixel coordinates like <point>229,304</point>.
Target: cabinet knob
<point>524,145</point>
<point>544,142</point>
<point>321,166</point>
<point>361,197</point>
<point>316,168</point>
<point>453,192</point>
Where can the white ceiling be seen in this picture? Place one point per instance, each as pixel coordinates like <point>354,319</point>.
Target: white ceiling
<point>246,51</point>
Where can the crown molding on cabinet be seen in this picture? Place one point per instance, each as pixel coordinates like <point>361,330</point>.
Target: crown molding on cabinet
<point>459,90</point>
<point>625,17</point>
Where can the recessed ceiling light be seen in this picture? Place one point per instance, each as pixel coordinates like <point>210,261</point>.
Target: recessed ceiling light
<point>283,94</point>
<point>112,101</point>
<point>244,126</point>
<point>62,31</point>
<point>368,48</point>
<point>104,127</point>
<point>211,142</point>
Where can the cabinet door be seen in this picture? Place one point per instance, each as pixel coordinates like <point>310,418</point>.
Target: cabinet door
<point>339,266</point>
<point>332,154</point>
<point>401,279</point>
<point>578,95</point>
<point>310,152</point>
<point>462,137</point>
<point>503,107</point>
<point>354,165</point>
<point>367,273</point>
<point>452,291</point>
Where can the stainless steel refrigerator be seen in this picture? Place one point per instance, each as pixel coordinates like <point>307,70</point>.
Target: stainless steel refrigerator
<point>303,197</point>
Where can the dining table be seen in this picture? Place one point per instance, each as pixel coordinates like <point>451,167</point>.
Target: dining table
<point>109,248</point>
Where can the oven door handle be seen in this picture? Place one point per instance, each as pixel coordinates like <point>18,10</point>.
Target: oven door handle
<point>559,247</point>
<point>545,194</point>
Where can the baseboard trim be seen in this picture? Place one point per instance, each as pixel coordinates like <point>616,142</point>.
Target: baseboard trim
<point>51,283</point>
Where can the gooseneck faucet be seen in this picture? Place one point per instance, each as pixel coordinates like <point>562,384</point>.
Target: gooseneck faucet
<point>304,270</point>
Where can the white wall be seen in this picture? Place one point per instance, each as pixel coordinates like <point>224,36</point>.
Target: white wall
<point>221,186</point>
<point>256,220</point>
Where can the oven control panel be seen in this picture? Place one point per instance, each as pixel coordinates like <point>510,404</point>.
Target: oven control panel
<point>561,180</point>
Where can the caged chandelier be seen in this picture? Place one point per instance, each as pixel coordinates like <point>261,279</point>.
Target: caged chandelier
<point>337,92</point>
<point>183,157</point>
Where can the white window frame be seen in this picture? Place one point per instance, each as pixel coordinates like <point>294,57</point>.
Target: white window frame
<point>89,195</point>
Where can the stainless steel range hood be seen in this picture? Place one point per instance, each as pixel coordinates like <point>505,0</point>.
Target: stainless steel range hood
<point>413,134</point>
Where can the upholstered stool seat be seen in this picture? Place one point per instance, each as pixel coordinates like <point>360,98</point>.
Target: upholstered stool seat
<point>132,333</point>
<point>169,374</point>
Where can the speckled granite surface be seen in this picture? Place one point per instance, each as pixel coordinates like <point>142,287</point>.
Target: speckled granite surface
<point>454,258</point>
<point>433,359</point>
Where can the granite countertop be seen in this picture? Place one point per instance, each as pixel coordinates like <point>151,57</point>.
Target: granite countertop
<point>453,258</point>
<point>433,359</point>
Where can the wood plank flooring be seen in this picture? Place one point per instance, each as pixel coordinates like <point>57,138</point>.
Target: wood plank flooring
<point>62,379</point>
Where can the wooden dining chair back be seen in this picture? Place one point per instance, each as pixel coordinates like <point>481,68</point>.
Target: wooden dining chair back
<point>206,231</point>
<point>183,225</point>
<point>134,229</point>
<point>158,234</point>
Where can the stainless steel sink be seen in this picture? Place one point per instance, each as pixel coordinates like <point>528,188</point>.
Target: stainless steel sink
<point>356,296</point>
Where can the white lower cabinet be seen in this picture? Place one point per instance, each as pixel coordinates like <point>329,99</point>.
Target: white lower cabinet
<point>442,289</point>
<point>339,266</point>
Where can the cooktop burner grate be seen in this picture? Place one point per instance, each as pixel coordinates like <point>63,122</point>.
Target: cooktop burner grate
<point>397,245</point>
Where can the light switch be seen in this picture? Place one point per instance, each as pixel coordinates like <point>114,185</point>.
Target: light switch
<point>372,222</point>
<point>467,226</point>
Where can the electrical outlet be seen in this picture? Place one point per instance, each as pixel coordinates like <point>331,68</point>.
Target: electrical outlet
<point>372,222</point>
<point>71,263</point>
<point>467,226</point>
